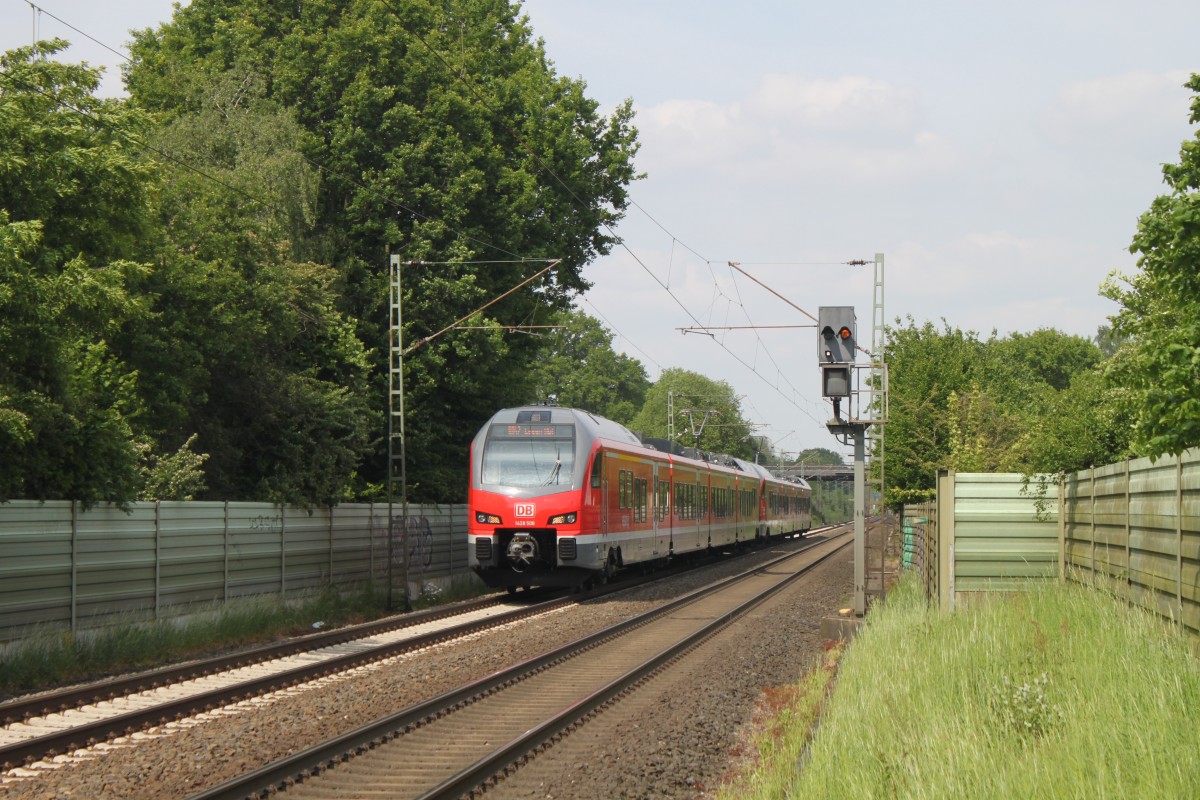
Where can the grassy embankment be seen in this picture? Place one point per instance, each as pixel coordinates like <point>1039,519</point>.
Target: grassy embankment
<point>53,658</point>
<point>1061,692</point>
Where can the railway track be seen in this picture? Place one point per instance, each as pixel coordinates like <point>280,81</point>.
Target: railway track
<point>462,739</point>
<point>57,723</point>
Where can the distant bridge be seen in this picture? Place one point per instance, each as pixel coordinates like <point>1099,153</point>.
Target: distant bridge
<point>815,472</point>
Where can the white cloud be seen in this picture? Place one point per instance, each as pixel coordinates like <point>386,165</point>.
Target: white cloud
<point>685,133</point>
<point>1133,110</point>
<point>843,105</point>
<point>999,280</point>
<point>790,127</point>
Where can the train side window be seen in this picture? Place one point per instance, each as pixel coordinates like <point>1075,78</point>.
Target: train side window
<point>596,467</point>
<point>662,501</point>
<point>683,500</point>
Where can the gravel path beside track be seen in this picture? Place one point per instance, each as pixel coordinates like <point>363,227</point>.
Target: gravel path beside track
<point>182,758</point>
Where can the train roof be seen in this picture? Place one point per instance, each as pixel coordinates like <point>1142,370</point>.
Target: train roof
<point>753,469</point>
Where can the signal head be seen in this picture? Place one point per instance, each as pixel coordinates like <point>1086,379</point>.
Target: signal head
<point>837,327</point>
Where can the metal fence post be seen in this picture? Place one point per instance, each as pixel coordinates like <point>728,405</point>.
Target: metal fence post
<point>225,589</point>
<point>1093,489</point>
<point>157,559</point>
<point>332,510</point>
<point>74,568</point>
<point>1062,527</point>
<point>1179,536</point>
<point>1128,544</point>
<point>945,515</point>
<point>282,552</point>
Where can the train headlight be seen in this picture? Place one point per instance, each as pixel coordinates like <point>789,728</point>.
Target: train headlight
<point>486,519</point>
<point>564,519</point>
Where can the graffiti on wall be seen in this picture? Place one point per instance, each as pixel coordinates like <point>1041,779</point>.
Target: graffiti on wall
<point>262,522</point>
<point>418,534</point>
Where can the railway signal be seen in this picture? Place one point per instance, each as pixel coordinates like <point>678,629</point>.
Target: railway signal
<point>838,339</point>
<point>836,355</point>
<point>836,347</point>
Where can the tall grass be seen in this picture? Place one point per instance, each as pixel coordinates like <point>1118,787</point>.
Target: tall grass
<point>50,659</point>
<point>1059,692</point>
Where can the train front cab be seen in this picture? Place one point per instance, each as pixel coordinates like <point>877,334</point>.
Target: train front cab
<point>533,501</point>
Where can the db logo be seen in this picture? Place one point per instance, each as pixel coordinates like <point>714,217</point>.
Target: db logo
<point>524,509</point>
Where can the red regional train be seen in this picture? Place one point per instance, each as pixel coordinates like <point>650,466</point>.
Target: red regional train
<point>561,497</point>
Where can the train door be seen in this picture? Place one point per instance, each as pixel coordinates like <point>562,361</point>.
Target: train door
<point>594,512</point>
<point>600,476</point>
<point>673,519</point>
<point>662,510</point>
<point>657,515</point>
<point>685,525</point>
<point>617,518</point>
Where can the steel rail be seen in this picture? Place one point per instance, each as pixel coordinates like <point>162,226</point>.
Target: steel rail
<point>87,734</point>
<point>69,698</point>
<point>284,772</point>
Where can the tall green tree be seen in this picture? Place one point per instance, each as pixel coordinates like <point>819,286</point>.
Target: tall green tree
<point>926,365</point>
<point>818,455</point>
<point>1045,356</point>
<point>702,406</point>
<point>1026,402</point>
<point>1087,424</point>
<point>1108,341</point>
<point>985,435</point>
<point>244,352</point>
<point>580,369</point>
<point>1159,366</point>
<point>443,134</point>
<point>74,212</point>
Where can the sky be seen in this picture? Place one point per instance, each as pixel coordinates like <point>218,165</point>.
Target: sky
<point>997,154</point>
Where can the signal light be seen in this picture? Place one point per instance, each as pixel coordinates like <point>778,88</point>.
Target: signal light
<point>837,327</point>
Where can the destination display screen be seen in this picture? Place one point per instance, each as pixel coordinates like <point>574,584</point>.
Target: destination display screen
<point>502,431</point>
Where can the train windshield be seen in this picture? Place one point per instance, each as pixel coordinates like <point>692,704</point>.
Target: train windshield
<point>528,456</point>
